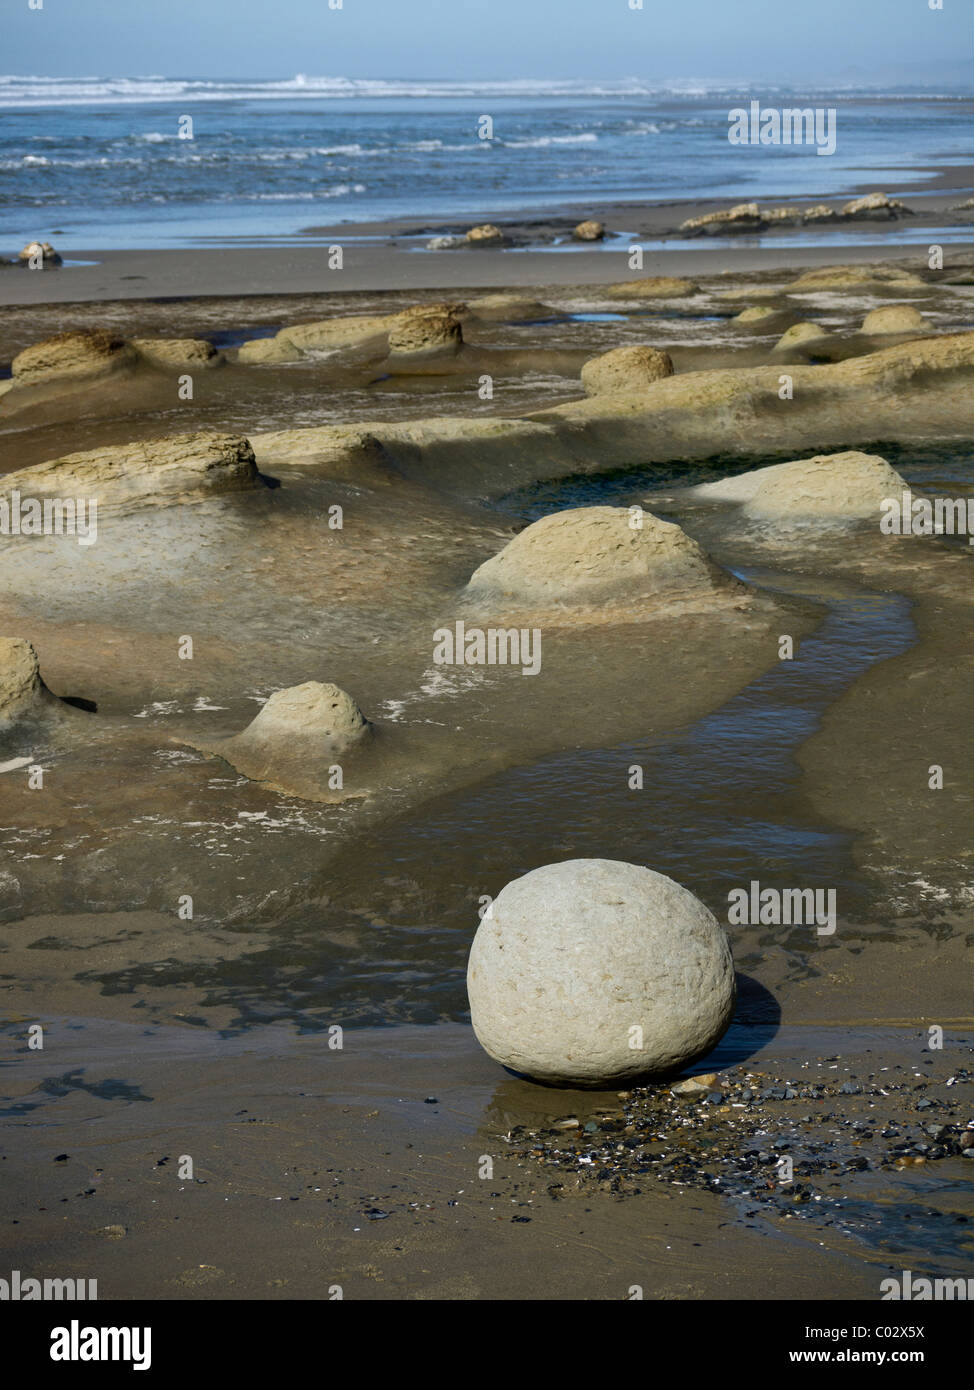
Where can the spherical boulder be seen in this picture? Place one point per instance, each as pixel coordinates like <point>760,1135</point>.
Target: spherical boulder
<point>849,486</point>
<point>595,972</point>
<point>39,253</point>
<point>625,369</point>
<point>591,555</point>
<point>894,318</point>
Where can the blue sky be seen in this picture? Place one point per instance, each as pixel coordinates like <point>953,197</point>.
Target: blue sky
<point>482,39</point>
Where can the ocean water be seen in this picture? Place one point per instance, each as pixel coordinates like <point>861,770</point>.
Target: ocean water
<point>100,163</point>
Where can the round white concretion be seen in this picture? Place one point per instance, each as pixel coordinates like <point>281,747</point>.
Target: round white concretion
<point>595,972</point>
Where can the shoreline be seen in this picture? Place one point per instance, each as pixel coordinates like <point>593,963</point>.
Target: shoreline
<point>382,255</point>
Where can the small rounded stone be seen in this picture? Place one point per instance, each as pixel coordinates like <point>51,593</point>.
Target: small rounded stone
<point>594,972</point>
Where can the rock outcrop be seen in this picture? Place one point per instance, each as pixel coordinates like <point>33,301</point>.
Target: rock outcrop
<point>857,277</point>
<point>485,235</point>
<point>589,231</point>
<point>149,473</point>
<point>39,252</point>
<point>23,694</point>
<point>895,318</point>
<point>625,369</point>
<point>799,334</point>
<point>426,333</point>
<point>876,207</point>
<point>746,217</point>
<point>593,555</point>
<point>170,353</point>
<point>76,355</point>
<point>848,486</point>
<point>652,287</point>
<point>508,308</point>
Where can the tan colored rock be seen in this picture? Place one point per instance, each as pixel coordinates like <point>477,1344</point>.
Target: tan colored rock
<point>42,249</point>
<point>800,333</point>
<point>876,207</point>
<point>590,555</point>
<point>299,734</point>
<point>430,333</point>
<point>178,352</point>
<point>485,235</point>
<point>508,308</point>
<point>23,694</point>
<point>786,216</point>
<point>335,333</point>
<point>757,313</point>
<point>653,287</point>
<point>72,356</point>
<point>843,277</point>
<point>625,369</point>
<point>821,212</point>
<point>745,217</point>
<point>259,350</point>
<point>589,231</point>
<point>149,473</point>
<point>894,318</point>
<point>848,486</point>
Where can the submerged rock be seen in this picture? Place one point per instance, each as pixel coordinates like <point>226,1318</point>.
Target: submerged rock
<point>594,972</point>
<point>588,555</point>
<point>652,287</point>
<point>895,318</point>
<point>335,333</point>
<point>800,333</point>
<point>275,349</point>
<point>508,308</point>
<point>76,355</point>
<point>625,369</point>
<point>299,735</point>
<point>757,313</point>
<point>152,472</point>
<point>847,486</point>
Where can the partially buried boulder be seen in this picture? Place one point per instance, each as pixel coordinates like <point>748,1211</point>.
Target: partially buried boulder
<point>72,356</point>
<point>849,486</point>
<point>625,369</point>
<point>894,318</point>
<point>298,736</point>
<point>590,555</point>
<point>799,334</point>
<point>23,694</point>
<point>152,472</point>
